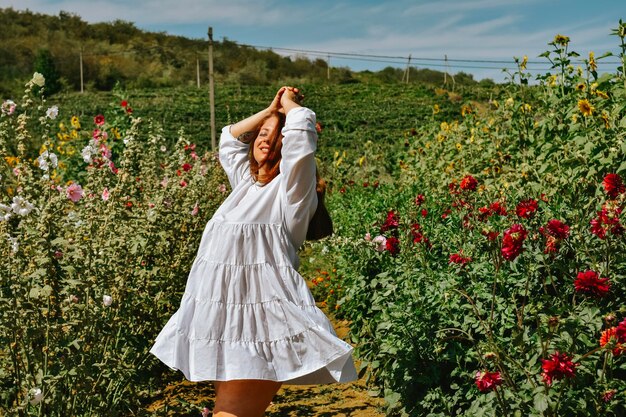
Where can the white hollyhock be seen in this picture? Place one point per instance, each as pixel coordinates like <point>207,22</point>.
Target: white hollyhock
<point>5,212</point>
<point>21,207</point>
<point>45,157</point>
<point>35,396</point>
<point>52,112</point>
<point>39,79</point>
<point>107,300</point>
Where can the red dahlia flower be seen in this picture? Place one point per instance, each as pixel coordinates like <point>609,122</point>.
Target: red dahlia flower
<point>558,366</point>
<point>558,229</point>
<point>608,395</point>
<point>512,241</point>
<point>588,282</point>
<point>186,167</point>
<point>124,103</point>
<point>468,183</point>
<point>419,200</point>
<point>392,245</point>
<point>526,209</point>
<point>613,185</point>
<point>391,222</point>
<point>487,381</point>
<point>498,208</point>
<point>620,332</point>
<point>459,259</point>
<point>99,120</point>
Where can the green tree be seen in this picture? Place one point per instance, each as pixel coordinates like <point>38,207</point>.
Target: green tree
<point>44,64</point>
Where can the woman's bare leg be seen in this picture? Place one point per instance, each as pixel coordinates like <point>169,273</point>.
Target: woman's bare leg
<point>243,398</point>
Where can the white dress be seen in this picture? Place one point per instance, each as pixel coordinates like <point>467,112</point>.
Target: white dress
<point>246,313</point>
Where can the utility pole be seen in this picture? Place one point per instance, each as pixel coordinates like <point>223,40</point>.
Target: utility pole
<point>211,93</point>
<point>328,67</point>
<point>82,89</point>
<point>198,72</point>
<point>405,76</point>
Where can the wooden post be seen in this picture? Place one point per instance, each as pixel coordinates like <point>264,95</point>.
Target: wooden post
<point>82,88</point>
<point>445,72</point>
<point>211,93</point>
<point>198,72</point>
<point>328,67</point>
<point>407,71</point>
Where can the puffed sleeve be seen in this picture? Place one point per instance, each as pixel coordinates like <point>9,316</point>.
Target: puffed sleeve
<point>297,168</point>
<point>233,157</point>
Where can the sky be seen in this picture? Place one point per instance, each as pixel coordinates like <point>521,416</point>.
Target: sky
<point>492,30</point>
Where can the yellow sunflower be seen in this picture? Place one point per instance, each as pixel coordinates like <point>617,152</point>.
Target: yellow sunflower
<point>593,65</point>
<point>585,107</point>
<point>561,40</point>
<point>436,109</point>
<point>75,122</point>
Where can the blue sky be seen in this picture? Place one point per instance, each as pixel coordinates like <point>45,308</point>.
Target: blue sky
<point>460,29</point>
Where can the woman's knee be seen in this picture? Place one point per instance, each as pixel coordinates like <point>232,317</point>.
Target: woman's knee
<point>244,398</point>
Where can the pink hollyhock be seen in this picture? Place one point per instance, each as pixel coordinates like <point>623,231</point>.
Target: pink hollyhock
<point>381,242</point>
<point>183,183</point>
<point>488,381</point>
<point>195,210</point>
<point>526,209</point>
<point>468,183</point>
<point>613,185</point>
<point>105,194</point>
<point>590,283</point>
<point>74,192</point>
<point>512,242</point>
<point>367,237</point>
<point>557,367</point>
<point>99,120</point>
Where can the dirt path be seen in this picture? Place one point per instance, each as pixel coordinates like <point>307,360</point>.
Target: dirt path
<point>184,398</point>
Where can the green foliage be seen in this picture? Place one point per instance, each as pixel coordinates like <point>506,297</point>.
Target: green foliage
<point>425,324</point>
<point>87,281</point>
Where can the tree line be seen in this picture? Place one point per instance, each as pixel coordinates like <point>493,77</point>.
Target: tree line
<point>119,52</point>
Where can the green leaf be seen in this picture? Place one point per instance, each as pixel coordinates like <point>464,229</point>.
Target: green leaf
<point>541,401</point>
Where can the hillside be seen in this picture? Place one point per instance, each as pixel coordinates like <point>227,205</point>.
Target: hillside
<point>118,51</point>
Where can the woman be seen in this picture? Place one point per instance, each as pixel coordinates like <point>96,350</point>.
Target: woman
<point>247,320</point>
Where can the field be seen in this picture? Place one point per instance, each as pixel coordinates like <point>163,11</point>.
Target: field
<point>479,252</point>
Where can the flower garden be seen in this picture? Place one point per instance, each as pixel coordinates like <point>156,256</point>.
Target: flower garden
<point>479,250</point>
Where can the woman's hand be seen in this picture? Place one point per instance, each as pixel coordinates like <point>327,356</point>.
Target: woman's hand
<point>290,99</point>
<point>276,106</point>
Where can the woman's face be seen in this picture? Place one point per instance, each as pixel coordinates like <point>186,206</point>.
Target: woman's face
<point>262,143</point>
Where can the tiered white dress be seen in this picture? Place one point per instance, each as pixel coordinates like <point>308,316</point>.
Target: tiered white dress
<point>246,313</point>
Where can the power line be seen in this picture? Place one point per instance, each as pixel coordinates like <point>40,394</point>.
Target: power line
<point>384,58</point>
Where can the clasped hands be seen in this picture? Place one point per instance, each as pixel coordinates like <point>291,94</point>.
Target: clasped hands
<point>286,99</point>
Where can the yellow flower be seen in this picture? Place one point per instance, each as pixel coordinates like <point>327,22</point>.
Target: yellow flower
<point>361,160</point>
<point>574,118</point>
<point>509,102</point>
<point>428,145</point>
<point>441,138</point>
<point>585,107</point>
<point>62,126</point>
<point>459,146</point>
<point>526,108</point>
<point>70,150</point>
<point>465,110</point>
<point>605,119</point>
<point>42,149</point>
<point>592,62</point>
<point>12,160</point>
<point>561,40</point>
<point>75,122</point>
<point>524,62</point>
<point>445,126</point>
<point>116,133</point>
<point>601,94</point>
<point>581,87</point>
<point>552,80</point>
<point>436,109</point>
<point>494,104</point>
<point>74,134</point>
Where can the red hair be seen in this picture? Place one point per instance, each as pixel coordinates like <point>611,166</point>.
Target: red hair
<point>272,162</point>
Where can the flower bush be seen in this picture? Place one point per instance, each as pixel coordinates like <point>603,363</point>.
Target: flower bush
<point>504,281</point>
<point>95,248</point>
